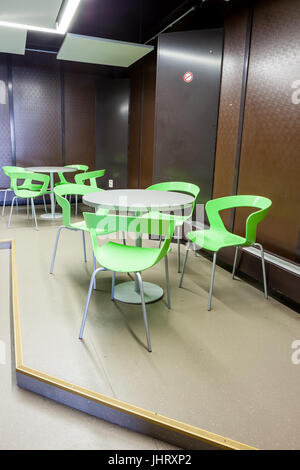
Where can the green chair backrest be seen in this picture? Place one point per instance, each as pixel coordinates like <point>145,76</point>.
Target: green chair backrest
<point>12,169</point>
<point>28,177</point>
<point>140,225</point>
<point>90,176</point>
<point>70,189</point>
<point>178,186</point>
<point>7,170</point>
<point>214,207</point>
<point>78,167</point>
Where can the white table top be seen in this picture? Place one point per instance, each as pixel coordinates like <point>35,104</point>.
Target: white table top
<point>138,200</point>
<point>51,169</point>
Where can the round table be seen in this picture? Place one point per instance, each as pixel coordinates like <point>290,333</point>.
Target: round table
<point>51,170</point>
<point>138,201</point>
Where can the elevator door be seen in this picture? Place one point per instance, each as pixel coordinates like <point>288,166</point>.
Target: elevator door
<point>187,102</point>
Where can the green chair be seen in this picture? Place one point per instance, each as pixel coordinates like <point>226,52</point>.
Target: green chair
<point>62,180</point>
<point>60,193</point>
<point>180,187</point>
<point>26,185</point>
<point>90,177</point>
<point>27,191</point>
<point>217,236</point>
<point>119,258</point>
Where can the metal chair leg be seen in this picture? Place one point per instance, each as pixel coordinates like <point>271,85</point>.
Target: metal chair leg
<point>84,247</point>
<point>139,277</point>
<point>55,248</point>
<point>184,263</point>
<point>212,281</point>
<point>94,267</point>
<point>235,260</point>
<point>88,301</point>
<point>167,281</point>
<point>113,285</point>
<point>76,204</point>
<point>34,214</point>
<point>17,205</point>
<point>178,255</point>
<point>27,209</point>
<point>263,268</point>
<point>195,249</point>
<point>4,202</point>
<point>11,210</point>
<point>45,207</point>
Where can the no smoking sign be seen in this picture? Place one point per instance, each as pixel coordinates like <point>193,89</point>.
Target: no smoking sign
<point>188,77</point>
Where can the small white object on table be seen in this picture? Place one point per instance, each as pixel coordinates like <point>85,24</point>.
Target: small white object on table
<point>138,201</point>
<point>51,170</point>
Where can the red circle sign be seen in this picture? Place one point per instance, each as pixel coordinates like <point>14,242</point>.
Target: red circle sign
<point>188,77</point>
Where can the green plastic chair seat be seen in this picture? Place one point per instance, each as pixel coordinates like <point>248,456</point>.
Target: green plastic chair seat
<point>214,240</point>
<point>82,226</point>
<point>26,193</point>
<point>120,258</point>
<point>178,219</point>
<point>217,236</point>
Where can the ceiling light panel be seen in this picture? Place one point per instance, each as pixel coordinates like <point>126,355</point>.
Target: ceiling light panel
<point>12,40</point>
<point>38,13</point>
<point>101,51</point>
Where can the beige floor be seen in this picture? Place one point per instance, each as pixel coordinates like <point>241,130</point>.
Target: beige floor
<point>29,421</point>
<point>228,371</point>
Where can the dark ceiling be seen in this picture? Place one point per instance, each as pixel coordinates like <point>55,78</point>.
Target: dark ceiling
<point>135,20</point>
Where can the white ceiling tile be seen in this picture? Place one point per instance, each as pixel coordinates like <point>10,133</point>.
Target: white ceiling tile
<point>12,40</point>
<point>42,13</point>
<point>101,51</point>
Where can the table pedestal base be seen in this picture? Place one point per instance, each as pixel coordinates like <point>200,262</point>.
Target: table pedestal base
<point>49,215</point>
<point>126,293</point>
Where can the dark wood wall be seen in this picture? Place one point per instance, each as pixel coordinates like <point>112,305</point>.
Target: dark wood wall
<point>229,108</point>
<point>269,157</point>
<point>270,160</point>
<point>48,117</point>
<point>79,93</point>
<point>267,161</point>
<point>141,122</point>
<point>37,110</point>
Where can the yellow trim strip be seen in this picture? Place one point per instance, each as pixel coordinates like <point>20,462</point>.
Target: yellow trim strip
<point>154,418</point>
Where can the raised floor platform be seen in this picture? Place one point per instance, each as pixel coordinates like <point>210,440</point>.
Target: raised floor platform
<point>227,372</point>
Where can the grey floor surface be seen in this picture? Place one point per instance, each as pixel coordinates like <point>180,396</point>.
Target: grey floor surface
<point>228,371</point>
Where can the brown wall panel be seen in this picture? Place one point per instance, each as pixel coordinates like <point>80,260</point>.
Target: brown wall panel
<point>37,110</point>
<point>141,121</point>
<point>5,139</point>
<point>80,92</point>
<point>229,110</point>
<point>148,120</point>
<point>270,163</point>
<point>135,110</point>
<point>112,110</point>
